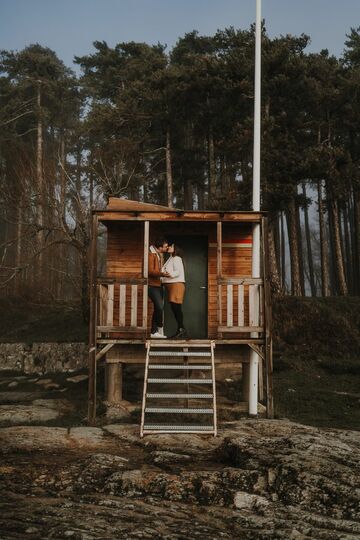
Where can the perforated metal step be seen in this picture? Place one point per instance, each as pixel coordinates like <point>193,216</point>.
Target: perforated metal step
<point>179,396</point>
<point>188,429</point>
<point>180,366</point>
<point>181,381</point>
<point>178,410</point>
<point>179,353</point>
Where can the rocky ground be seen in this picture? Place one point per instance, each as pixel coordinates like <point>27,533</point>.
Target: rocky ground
<point>259,479</point>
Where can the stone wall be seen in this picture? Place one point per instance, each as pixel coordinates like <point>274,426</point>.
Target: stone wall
<point>43,357</point>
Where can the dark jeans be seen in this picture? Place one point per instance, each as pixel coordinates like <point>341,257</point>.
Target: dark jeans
<point>178,314</point>
<point>156,295</point>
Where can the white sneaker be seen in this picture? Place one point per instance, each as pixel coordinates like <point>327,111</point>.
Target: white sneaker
<point>161,330</point>
<point>157,335</point>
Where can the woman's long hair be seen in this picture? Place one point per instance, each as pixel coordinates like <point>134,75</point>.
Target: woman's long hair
<point>179,252</point>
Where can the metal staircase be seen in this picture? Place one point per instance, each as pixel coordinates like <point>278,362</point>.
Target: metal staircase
<point>192,360</point>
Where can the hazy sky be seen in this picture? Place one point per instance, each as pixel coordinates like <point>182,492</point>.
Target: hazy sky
<point>70,26</point>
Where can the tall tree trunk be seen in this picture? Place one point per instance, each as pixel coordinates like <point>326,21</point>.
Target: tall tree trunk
<point>169,179</point>
<point>273,262</point>
<point>356,264</point>
<point>294,248</point>
<point>334,286</point>
<point>283,262</point>
<point>188,194</point>
<point>324,247</point>
<point>62,175</point>
<point>300,249</point>
<point>40,185</point>
<point>62,215</point>
<point>352,242</point>
<point>347,237</point>
<point>201,196</point>
<point>91,191</point>
<point>308,244</point>
<point>338,255</point>
<point>18,246</point>
<point>85,272</point>
<point>78,210</point>
<point>211,165</point>
<point>277,243</point>
<point>225,179</point>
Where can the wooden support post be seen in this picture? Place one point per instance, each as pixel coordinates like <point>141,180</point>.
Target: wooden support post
<point>145,275</point>
<point>268,323</point>
<point>245,381</point>
<point>114,374</point>
<point>219,271</point>
<point>93,322</point>
<point>261,379</point>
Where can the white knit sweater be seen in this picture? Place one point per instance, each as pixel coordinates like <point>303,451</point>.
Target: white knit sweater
<point>175,267</point>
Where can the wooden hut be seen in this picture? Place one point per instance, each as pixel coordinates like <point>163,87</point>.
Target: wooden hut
<point>225,308</point>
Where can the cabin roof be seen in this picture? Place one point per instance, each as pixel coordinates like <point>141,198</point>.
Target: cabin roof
<point>127,210</point>
<point>126,205</point>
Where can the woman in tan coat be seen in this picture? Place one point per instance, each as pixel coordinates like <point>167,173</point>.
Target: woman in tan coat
<point>175,286</point>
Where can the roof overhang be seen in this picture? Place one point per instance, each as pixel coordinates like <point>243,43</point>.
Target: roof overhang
<point>127,210</point>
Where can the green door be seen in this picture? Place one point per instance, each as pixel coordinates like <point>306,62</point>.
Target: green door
<point>195,302</point>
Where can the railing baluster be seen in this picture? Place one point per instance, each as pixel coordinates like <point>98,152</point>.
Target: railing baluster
<point>122,305</point>
<point>145,306</point>
<point>253,305</point>
<point>229,305</point>
<point>134,298</point>
<point>110,305</point>
<point>102,311</point>
<point>261,294</point>
<point>241,312</point>
<point>145,275</point>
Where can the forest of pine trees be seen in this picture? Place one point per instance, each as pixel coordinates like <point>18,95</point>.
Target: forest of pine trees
<point>176,128</point>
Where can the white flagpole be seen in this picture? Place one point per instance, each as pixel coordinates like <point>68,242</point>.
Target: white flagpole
<point>254,358</point>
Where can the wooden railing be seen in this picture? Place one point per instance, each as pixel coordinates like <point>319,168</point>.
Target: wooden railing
<point>122,305</point>
<point>240,316</point>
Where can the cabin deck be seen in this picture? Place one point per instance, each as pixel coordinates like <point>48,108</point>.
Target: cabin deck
<point>132,351</point>
<point>183,343</point>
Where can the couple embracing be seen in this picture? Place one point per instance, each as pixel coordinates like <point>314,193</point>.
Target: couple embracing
<point>171,275</point>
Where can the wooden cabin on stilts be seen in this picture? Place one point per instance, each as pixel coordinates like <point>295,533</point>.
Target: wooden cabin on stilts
<point>227,313</point>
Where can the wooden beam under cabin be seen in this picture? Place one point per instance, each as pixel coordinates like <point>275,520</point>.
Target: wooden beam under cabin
<point>268,322</point>
<point>145,275</point>
<point>219,271</point>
